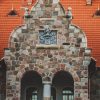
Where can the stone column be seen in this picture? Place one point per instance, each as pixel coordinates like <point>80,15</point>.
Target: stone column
<point>46,90</point>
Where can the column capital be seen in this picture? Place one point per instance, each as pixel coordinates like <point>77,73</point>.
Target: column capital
<point>47,82</point>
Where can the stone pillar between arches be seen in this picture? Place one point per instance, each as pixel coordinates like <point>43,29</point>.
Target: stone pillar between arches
<point>46,90</point>
<point>81,89</point>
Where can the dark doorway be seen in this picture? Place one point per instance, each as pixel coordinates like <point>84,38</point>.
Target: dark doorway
<point>64,84</point>
<point>31,86</point>
<point>53,93</point>
<point>31,93</point>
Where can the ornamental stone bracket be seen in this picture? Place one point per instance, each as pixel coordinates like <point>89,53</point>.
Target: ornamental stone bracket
<point>89,2</point>
<point>48,46</point>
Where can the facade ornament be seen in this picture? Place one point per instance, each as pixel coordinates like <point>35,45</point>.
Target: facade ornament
<point>47,31</point>
<point>97,12</point>
<point>29,2</point>
<point>48,36</point>
<point>27,13</point>
<point>88,2</point>
<point>47,76</point>
<point>50,2</point>
<point>69,13</point>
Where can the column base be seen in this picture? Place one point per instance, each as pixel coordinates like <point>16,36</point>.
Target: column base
<point>46,98</point>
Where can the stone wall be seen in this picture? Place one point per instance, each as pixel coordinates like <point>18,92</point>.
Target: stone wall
<point>30,48</point>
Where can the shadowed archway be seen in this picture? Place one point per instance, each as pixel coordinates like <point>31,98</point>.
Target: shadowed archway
<point>63,82</point>
<point>31,86</point>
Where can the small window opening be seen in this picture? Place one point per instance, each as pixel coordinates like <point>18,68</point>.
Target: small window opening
<point>13,13</point>
<point>67,94</point>
<point>88,2</point>
<point>97,12</point>
<point>34,95</point>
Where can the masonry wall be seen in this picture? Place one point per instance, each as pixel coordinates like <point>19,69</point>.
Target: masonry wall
<point>47,43</point>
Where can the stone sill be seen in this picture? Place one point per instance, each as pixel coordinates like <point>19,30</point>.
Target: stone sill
<point>96,16</point>
<point>89,4</point>
<point>47,19</point>
<point>43,46</point>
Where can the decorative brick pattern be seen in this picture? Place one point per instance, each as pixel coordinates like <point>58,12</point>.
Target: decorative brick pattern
<point>23,55</point>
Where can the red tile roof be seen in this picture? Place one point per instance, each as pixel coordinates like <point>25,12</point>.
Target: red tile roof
<point>82,17</point>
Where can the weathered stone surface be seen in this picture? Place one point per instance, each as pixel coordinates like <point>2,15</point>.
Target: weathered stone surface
<point>67,53</point>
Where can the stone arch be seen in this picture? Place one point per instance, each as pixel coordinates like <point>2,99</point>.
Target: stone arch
<point>63,71</point>
<point>31,79</point>
<point>22,72</point>
<point>70,71</point>
<point>61,80</point>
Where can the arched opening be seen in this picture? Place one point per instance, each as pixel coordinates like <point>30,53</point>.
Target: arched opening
<point>64,84</point>
<point>31,86</point>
